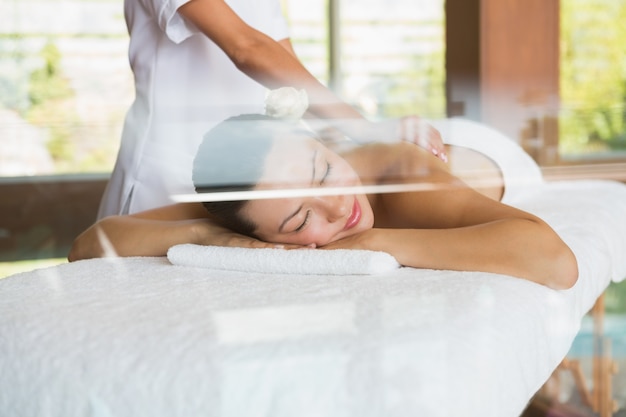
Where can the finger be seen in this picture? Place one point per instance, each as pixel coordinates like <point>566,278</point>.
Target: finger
<point>436,144</point>
<point>417,131</point>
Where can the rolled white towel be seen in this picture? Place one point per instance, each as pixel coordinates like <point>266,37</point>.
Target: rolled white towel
<point>282,261</point>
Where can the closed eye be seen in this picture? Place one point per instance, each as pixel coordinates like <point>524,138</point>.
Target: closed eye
<point>305,222</point>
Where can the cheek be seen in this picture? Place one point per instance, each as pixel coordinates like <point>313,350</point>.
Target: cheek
<point>346,173</point>
<point>318,232</point>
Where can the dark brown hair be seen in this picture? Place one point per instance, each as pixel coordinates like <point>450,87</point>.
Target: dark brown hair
<point>232,157</point>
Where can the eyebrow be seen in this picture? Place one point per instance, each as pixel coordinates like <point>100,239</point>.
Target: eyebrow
<point>313,163</point>
<point>327,171</point>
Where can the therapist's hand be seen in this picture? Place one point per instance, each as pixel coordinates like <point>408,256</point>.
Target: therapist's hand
<point>412,129</point>
<point>415,130</point>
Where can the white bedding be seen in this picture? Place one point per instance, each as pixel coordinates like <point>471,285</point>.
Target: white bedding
<point>140,337</point>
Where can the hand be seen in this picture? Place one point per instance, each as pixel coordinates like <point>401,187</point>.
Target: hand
<point>411,129</point>
<point>415,130</point>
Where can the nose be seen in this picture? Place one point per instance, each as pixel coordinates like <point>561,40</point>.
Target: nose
<point>334,207</point>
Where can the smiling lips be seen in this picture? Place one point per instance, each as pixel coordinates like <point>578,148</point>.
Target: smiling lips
<point>354,217</point>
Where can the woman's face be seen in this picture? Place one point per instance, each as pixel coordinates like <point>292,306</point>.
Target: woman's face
<point>312,220</point>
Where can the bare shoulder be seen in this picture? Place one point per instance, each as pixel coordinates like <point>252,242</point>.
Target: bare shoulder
<point>465,191</point>
<point>405,162</point>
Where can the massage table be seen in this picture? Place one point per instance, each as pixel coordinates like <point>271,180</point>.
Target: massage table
<point>145,337</point>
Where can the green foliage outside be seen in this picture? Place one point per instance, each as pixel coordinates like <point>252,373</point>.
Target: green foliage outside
<point>593,75</point>
<point>44,98</point>
<point>421,90</point>
<point>50,97</point>
<point>615,301</point>
<point>10,268</point>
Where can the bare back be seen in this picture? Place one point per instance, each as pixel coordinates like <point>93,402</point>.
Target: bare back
<point>468,171</point>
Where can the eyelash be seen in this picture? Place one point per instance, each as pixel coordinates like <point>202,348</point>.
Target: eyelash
<point>329,169</point>
<point>305,222</point>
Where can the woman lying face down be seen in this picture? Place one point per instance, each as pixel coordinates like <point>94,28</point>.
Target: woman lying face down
<point>263,154</point>
<point>445,225</point>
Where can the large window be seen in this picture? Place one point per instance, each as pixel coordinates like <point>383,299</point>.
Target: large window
<point>65,82</point>
<point>64,85</point>
<point>593,79</point>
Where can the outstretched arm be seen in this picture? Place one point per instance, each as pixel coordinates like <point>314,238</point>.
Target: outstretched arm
<point>153,232</point>
<point>517,247</point>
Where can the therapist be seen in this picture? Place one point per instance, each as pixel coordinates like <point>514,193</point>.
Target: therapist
<point>198,62</point>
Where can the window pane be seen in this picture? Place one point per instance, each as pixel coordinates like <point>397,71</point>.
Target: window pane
<point>309,34</point>
<point>593,79</point>
<point>393,56</point>
<point>65,85</point>
<point>392,52</point>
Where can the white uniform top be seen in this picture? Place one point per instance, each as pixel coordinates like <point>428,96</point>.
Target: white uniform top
<point>184,85</point>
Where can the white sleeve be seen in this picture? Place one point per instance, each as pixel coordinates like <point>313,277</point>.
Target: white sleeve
<point>172,23</point>
<point>178,28</point>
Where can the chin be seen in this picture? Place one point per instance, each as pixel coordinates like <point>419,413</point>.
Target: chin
<point>367,222</point>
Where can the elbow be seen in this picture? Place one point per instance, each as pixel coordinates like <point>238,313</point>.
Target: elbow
<point>74,254</point>
<point>89,244</point>
<point>245,54</point>
<point>564,268</point>
<point>255,55</point>
<point>550,260</point>
<point>569,270</point>
<point>77,251</point>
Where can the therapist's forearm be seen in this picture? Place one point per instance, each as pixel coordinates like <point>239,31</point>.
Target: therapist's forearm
<point>325,107</point>
<point>270,64</point>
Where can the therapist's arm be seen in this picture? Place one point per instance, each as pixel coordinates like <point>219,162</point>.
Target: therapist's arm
<point>153,232</point>
<point>261,58</point>
<point>274,65</point>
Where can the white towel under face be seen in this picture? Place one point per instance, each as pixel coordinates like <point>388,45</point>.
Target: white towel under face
<point>280,261</point>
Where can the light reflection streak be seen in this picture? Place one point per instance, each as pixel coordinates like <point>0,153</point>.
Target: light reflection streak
<point>323,191</point>
<point>601,171</point>
<point>300,192</point>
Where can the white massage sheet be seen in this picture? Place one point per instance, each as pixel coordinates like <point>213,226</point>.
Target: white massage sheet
<point>143,337</point>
